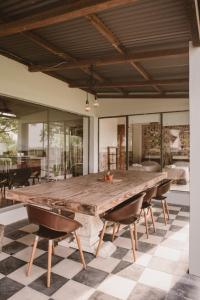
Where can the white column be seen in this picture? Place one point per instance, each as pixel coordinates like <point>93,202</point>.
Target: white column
<point>194,62</point>
<point>93,154</point>
<point>85,145</point>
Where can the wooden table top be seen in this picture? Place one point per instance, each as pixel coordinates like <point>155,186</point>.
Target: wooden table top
<point>87,194</point>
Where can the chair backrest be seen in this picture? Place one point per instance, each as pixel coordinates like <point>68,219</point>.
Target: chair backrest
<point>128,210</point>
<point>149,194</point>
<point>51,220</point>
<point>163,188</point>
<point>20,177</point>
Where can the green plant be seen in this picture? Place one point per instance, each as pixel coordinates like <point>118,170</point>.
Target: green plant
<point>56,169</point>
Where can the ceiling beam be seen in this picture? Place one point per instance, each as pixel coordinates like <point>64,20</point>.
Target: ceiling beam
<point>133,83</point>
<point>108,34</point>
<point>193,10</point>
<point>143,96</point>
<point>36,39</point>
<point>139,56</point>
<point>137,66</point>
<point>61,54</point>
<point>57,52</point>
<point>60,14</point>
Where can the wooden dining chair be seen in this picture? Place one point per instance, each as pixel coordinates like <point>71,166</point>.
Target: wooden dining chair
<point>128,214</point>
<point>52,227</point>
<point>162,189</point>
<point>147,207</point>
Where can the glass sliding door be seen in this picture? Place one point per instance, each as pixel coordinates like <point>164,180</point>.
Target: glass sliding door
<point>38,144</point>
<point>176,149</point>
<point>112,144</point>
<point>68,145</point>
<point>56,150</point>
<point>144,143</point>
<point>76,150</point>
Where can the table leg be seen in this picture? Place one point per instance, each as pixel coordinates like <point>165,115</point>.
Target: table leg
<point>89,236</point>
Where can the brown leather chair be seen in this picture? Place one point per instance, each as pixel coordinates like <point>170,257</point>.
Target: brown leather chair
<point>53,227</point>
<point>128,214</point>
<point>162,189</point>
<point>147,207</point>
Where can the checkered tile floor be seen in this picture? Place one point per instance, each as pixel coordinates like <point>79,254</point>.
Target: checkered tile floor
<point>160,271</point>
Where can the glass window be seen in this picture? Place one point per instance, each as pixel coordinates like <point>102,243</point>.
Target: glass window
<point>39,144</point>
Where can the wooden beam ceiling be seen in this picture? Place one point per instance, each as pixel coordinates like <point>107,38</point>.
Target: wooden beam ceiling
<point>108,34</point>
<point>35,38</point>
<point>144,96</point>
<point>193,10</point>
<point>133,83</point>
<point>137,57</point>
<point>60,14</point>
<point>57,52</point>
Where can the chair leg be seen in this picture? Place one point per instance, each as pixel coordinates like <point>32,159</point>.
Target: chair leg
<point>80,250</point>
<point>146,224</point>
<point>118,228</point>
<point>114,229</point>
<point>132,242</point>
<point>101,237</point>
<point>53,248</point>
<point>140,213</point>
<point>50,248</point>
<point>135,236</point>
<point>152,218</point>
<point>163,206</point>
<point>32,256</point>
<point>167,210</point>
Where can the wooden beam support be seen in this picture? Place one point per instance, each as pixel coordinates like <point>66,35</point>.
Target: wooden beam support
<point>58,52</point>
<point>129,58</point>
<point>193,10</point>
<point>60,14</point>
<point>107,33</point>
<point>35,38</point>
<point>144,96</point>
<point>133,83</point>
<point>137,66</point>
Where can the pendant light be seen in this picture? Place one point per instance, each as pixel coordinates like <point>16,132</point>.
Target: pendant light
<point>96,102</point>
<point>91,85</point>
<point>87,104</point>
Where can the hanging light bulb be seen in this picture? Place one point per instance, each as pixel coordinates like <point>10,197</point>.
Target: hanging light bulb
<point>87,104</point>
<point>96,102</point>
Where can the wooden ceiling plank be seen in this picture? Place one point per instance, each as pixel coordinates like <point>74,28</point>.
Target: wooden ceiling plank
<point>143,96</point>
<point>134,83</point>
<point>60,14</point>
<point>139,56</point>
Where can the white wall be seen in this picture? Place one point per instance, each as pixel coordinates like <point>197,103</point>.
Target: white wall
<point>118,107</point>
<point>93,153</point>
<point>194,85</point>
<point>178,118</point>
<point>107,133</point>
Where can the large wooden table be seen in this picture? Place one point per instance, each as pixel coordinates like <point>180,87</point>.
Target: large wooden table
<point>88,197</point>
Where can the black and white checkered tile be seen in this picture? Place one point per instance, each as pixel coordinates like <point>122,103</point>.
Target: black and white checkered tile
<point>160,271</point>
